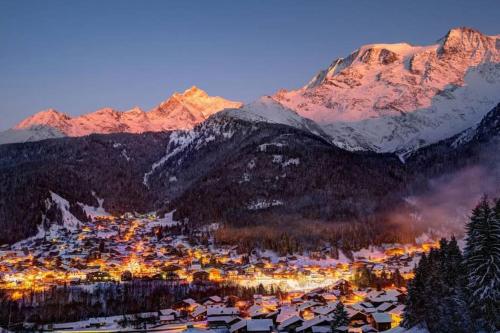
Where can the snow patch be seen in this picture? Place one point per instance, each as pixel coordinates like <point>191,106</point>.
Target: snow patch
<point>277,158</point>
<point>263,147</point>
<point>291,161</point>
<point>251,164</point>
<point>244,178</point>
<point>124,154</point>
<point>93,212</point>
<point>180,140</point>
<point>166,221</point>
<point>263,204</point>
<point>69,221</point>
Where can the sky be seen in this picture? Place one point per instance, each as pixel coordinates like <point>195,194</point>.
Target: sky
<point>79,56</point>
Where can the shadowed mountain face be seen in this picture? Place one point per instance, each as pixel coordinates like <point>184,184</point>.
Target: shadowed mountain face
<point>109,165</point>
<point>225,170</point>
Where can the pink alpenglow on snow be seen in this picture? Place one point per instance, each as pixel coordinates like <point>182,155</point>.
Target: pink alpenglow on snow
<point>182,111</point>
<point>397,97</point>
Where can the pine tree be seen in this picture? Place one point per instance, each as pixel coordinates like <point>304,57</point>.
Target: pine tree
<point>341,318</point>
<point>415,303</point>
<point>482,261</point>
<point>454,268</point>
<point>453,316</point>
<point>397,278</point>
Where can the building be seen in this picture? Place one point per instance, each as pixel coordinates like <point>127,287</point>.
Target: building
<point>381,321</point>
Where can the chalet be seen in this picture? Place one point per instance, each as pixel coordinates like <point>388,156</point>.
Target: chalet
<point>198,313</point>
<point>218,316</point>
<point>322,329</point>
<point>356,318</point>
<point>214,299</point>
<point>257,311</point>
<point>223,321</point>
<point>168,315</point>
<point>252,326</point>
<point>238,327</point>
<point>381,321</point>
<point>307,326</point>
<point>290,324</point>
<point>325,309</point>
<point>259,326</point>
<point>384,307</point>
<point>379,297</point>
<point>307,305</point>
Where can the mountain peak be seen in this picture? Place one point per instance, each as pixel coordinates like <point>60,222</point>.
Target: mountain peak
<point>135,110</point>
<point>464,40</point>
<point>194,90</point>
<point>191,107</point>
<point>49,117</point>
<point>366,99</point>
<point>462,31</point>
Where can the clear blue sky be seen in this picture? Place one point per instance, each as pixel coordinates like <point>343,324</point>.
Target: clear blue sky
<point>78,56</point>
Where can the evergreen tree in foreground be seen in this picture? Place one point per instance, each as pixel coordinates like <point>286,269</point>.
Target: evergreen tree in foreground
<point>415,303</point>
<point>482,262</point>
<point>341,317</point>
<point>435,295</point>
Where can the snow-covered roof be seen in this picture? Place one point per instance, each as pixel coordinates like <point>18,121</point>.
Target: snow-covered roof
<point>259,325</point>
<point>398,310</point>
<point>321,329</point>
<point>166,312</point>
<point>289,321</point>
<point>384,306</point>
<point>313,322</point>
<point>226,319</point>
<point>237,326</point>
<point>198,311</point>
<point>326,309</point>
<point>222,311</point>
<point>381,317</point>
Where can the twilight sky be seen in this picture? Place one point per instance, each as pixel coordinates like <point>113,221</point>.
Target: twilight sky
<point>78,56</point>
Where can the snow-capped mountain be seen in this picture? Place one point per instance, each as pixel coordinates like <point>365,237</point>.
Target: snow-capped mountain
<point>398,97</point>
<point>180,111</point>
<point>266,109</point>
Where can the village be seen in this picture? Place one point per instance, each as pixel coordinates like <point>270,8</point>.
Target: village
<point>134,247</point>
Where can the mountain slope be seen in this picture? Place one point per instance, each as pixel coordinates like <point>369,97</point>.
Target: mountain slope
<point>227,170</point>
<point>398,97</point>
<point>111,166</point>
<point>180,111</point>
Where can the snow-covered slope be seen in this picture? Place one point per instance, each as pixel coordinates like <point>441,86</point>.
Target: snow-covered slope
<point>33,133</point>
<point>180,111</point>
<point>266,109</point>
<point>398,97</point>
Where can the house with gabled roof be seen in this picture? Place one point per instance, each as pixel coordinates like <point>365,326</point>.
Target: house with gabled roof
<point>290,324</point>
<point>381,321</point>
